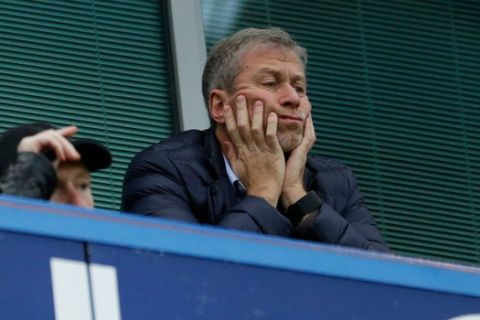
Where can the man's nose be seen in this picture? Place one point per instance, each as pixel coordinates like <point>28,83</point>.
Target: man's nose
<point>289,96</point>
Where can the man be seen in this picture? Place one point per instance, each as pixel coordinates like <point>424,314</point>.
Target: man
<point>261,132</point>
<point>40,161</point>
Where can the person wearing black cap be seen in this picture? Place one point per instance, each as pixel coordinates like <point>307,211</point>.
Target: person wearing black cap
<point>41,161</point>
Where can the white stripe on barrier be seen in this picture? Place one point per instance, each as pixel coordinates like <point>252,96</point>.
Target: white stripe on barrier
<point>105,292</point>
<point>71,296</point>
<point>71,291</point>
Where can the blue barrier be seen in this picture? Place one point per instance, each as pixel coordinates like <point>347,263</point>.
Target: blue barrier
<point>132,267</point>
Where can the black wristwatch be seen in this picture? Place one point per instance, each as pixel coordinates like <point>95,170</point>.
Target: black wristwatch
<point>302,207</point>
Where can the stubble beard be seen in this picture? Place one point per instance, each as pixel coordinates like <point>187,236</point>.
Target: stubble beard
<point>290,139</point>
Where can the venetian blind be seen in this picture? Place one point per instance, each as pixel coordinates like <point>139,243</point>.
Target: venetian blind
<point>395,89</point>
<point>101,65</point>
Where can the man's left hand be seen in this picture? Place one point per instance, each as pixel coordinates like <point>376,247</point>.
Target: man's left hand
<point>293,187</point>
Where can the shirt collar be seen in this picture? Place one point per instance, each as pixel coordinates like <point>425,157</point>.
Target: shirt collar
<point>231,175</point>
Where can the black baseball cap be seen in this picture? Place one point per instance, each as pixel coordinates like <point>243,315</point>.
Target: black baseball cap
<point>93,154</point>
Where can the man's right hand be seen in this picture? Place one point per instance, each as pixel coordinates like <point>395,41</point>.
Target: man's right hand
<point>52,139</point>
<point>254,152</point>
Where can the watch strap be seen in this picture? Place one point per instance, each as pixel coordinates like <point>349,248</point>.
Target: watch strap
<point>308,203</point>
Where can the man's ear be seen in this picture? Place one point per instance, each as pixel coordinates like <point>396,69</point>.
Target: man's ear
<point>216,101</point>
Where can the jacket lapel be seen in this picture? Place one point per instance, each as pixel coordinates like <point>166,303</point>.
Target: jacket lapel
<point>220,191</point>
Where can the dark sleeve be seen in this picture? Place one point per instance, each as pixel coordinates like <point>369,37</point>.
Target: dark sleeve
<point>30,175</point>
<point>257,215</point>
<point>154,186</point>
<point>352,225</point>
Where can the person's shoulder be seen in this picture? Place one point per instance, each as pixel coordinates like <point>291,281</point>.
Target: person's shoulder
<point>320,162</point>
<point>335,173</point>
<point>327,165</point>
<point>182,140</point>
<point>182,145</point>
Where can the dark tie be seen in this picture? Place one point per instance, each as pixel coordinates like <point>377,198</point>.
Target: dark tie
<point>239,190</point>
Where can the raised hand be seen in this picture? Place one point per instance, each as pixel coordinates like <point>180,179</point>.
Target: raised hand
<point>52,139</point>
<point>254,152</point>
<point>293,187</point>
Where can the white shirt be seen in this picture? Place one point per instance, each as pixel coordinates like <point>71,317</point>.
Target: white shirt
<point>231,175</point>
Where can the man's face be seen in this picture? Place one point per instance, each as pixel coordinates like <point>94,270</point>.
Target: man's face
<point>275,77</point>
<point>73,185</point>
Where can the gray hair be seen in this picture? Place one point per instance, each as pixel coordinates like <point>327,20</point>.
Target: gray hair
<point>225,58</point>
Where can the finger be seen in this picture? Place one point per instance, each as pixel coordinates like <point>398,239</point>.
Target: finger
<point>58,146</point>
<point>271,131</point>
<point>309,135</point>
<point>62,147</point>
<point>243,123</point>
<point>231,125</point>
<point>69,151</point>
<point>257,124</point>
<point>230,152</point>
<point>68,131</point>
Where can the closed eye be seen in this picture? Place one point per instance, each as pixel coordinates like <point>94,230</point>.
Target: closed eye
<point>269,83</point>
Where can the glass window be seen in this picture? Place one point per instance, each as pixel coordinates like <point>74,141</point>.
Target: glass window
<point>395,89</point>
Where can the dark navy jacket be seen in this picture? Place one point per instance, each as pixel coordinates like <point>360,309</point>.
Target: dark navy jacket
<point>184,178</point>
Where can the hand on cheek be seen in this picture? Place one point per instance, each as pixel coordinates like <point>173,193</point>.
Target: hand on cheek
<point>293,188</point>
<point>254,151</point>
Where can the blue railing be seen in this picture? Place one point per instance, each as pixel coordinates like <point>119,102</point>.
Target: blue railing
<point>62,262</point>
